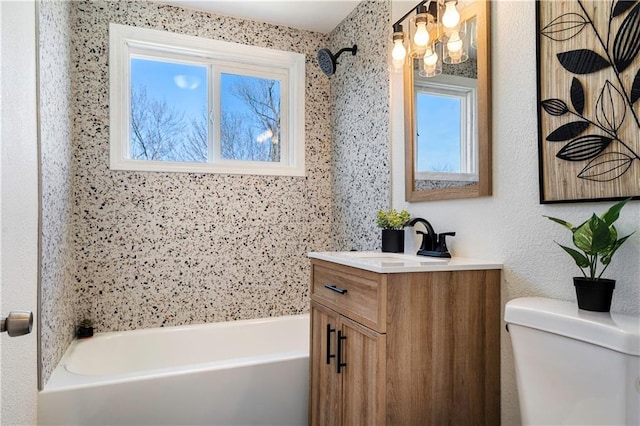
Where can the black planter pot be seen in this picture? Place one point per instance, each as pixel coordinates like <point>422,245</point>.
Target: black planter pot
<point>594,295</point>
<point>393,240</point>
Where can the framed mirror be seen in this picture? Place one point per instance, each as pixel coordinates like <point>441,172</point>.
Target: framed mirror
<point>448,118</point>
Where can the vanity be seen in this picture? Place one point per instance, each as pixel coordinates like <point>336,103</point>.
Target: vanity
<point>404,340</point>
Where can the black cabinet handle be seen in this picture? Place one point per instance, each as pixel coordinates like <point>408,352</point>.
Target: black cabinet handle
<point>340,364</point>
<point>336,289</point>
<point>329,354</point>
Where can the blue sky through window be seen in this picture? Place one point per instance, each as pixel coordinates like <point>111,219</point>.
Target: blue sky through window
<point>228,101</point>
<point>180,131</point>
<point>438,140</point>
<point>168,111</point>
<point>252,104</point>
<point>183,86</point>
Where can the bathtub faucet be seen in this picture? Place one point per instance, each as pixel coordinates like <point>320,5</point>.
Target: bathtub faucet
<point>434,245</point>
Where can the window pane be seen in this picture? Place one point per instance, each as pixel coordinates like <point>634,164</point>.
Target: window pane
<point>250,118</point>
<point>439,133</point>
<point>168,111</point>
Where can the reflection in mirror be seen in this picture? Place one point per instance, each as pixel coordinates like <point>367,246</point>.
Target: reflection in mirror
<point>446,151</point>
<point>447,119</point>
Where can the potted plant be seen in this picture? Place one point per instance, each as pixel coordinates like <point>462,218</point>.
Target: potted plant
<point>596,240</point>
<point>84,329</point>
<point>392,223</point>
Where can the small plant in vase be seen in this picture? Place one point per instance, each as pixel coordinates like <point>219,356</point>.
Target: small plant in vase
<point>392,223</point>
<point>84,329</point>
<point>596,241</point>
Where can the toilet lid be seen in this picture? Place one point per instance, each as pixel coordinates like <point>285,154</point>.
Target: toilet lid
<point>615,331</point>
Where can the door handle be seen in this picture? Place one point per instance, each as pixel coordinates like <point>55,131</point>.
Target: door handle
<point>336,289</point>
<point>17,323</point>
<point>339,362</point>
<point>329,354</point>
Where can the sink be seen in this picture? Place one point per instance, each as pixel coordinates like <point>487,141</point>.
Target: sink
<point>381,262</point>
<point>400,262</point>
<point>392,257</point>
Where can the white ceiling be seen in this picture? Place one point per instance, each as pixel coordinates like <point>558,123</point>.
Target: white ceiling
<point>313,15</point>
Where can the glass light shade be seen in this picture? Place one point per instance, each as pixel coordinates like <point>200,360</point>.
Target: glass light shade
<point>473,34</point>
<point>451,16</point>
<point>431,63</point>
<point>454,52</point>
<point>455,44</point>
<point>397,64</point>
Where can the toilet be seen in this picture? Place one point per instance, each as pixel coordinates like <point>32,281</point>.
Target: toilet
<point>574,367</point>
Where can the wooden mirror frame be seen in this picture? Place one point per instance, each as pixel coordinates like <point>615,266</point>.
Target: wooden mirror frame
<point>480,9</point>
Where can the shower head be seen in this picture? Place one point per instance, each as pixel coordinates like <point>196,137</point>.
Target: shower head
<point>328,60</point>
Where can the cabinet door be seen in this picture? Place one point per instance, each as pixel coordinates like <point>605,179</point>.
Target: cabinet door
<point>325,383</point>
<point>363,377</point>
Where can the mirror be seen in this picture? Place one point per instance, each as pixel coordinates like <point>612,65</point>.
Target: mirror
<point>448,120</point>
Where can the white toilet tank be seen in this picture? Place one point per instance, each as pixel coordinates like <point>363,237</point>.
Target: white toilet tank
<point>574,367</point>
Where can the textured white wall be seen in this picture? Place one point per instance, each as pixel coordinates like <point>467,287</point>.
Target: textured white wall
<point>509,226</point>
<point>19,207</point>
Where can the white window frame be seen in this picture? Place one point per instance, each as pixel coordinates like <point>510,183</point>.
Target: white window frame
<point>288,67</point>
<point>466,91</point>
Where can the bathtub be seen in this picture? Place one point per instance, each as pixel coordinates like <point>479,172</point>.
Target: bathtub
<point>250,372</point>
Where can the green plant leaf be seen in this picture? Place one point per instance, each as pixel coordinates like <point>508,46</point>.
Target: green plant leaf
<point>596,240</point>
<point>392,219</point>
<point>561,222</point>
<point>614,237</point>
<point>611,215</point>
<point>583,238</point>
<point>602,236</point>
<point>606,259</point>
<point>593,236</point>
<point>381,219</point>
<point>580,259</point>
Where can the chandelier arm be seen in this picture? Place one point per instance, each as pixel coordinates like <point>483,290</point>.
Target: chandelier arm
<point>399,21</point>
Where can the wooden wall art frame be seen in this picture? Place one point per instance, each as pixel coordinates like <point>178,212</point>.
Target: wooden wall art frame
<point>588,99</point>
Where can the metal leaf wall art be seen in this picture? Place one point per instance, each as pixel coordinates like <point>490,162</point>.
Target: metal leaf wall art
<point>589,99</point>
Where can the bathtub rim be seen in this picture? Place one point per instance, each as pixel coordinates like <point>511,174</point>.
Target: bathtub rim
<point>62,379</point>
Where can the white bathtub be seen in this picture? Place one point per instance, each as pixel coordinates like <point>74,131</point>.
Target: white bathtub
<point>251,372</point>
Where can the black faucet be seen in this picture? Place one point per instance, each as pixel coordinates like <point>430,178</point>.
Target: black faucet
<point>428,238</point>
<point>434,245</point>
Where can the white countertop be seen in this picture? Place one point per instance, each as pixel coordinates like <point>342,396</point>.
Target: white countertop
<point>390,263</point>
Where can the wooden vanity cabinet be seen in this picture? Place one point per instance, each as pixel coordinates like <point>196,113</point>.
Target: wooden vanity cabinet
<point>420,348</point>
<point>353,395</point>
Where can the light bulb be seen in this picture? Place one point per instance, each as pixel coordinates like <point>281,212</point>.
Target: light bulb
<point>421,37</point>
<point>430,58</point>
<point>454,46</point>
<point>399,52</point>
<point>451,16</point>
<point>455,42</point>
<point>430,63</point>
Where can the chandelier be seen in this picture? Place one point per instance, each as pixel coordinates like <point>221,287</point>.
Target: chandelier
<point>435,34</point>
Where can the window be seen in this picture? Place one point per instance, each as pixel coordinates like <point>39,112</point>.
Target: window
<point>444,109</point>
<point>188,104</point>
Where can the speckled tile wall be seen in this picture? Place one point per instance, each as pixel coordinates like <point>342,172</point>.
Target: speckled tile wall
<point>160,249</point>
<point>154,249</point>
<point>57,306</point>
<point>361,126</point>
